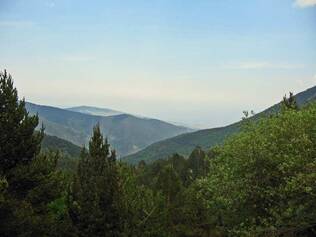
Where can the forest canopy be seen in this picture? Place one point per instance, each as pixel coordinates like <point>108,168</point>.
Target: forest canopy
<point>260,182</point>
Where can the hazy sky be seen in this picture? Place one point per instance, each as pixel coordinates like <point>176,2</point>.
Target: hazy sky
<point>197,62</point>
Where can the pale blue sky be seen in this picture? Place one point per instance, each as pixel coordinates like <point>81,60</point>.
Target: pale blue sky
<point>196,62</point>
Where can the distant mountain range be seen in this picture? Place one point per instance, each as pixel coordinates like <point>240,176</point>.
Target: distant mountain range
<point>206,138</point>
<point>126,133</point>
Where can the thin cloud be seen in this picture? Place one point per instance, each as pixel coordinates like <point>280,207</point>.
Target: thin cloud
<point>305,3</point>
<point>262,65</point>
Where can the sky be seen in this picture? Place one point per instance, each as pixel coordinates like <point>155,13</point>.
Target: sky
<point>198,63</point>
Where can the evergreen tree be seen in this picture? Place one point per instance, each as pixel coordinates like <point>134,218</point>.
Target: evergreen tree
<point>144,210</point>
<point>29,182</point>
<point>19,144</point>
<point>198,164</point>
<point>94,201</point>
<point>290,102</point>
<point>169,183</point>
<point>179,164</point>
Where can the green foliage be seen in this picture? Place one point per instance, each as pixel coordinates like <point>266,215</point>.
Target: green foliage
<point>29,180</point>
<point>19,144</point>
<point>191,216</point>
<point>58,144</point>
<point>26,200</point>
<point>183,144</point>
<point>261,182</point>
<point>173,179</point>
<point>143,209</point>
<point>94,200</point>
<point>198,164</point>
<point>169,183</point>
<point>289,102</point>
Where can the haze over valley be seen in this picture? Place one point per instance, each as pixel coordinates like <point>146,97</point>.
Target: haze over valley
<point>163,118</point>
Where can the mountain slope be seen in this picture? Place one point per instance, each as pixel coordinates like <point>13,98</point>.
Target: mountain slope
<point>95,111</point>
<point>56,143</point>
<point>206,138</point>
<point>126,133</point>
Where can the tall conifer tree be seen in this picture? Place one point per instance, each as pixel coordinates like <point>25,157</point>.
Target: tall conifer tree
<point>29,182</point>
<point>19,144</point>
<point>94,198</point>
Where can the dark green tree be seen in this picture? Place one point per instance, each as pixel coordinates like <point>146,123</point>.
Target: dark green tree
<point>19,144</point>
<point>290,102</point>
<point>94,200</point>
<point>197,164</point>
<point>179,164</point>
<point>143,208</point>
<point>29,180</point>
<point>169,183</point>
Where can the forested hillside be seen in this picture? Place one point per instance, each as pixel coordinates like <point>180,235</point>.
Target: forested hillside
<point>207,138</point>
<point>260,182</point>
<point>57,144</point>
<point>127,133</point>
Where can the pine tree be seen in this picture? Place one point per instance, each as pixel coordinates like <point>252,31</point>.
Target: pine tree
<point>19,144</point>
<point>169,183</point>
<point>290,102</point>
<point>29,181</point>
<point>198,163</point>
<point>94,201</point>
